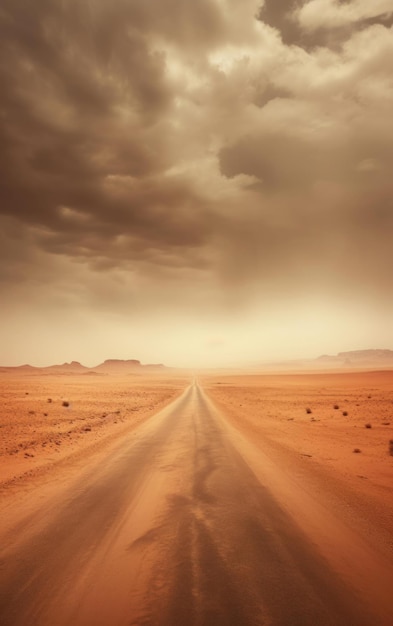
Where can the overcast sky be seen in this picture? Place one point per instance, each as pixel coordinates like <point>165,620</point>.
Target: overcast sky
<point>195,182</point>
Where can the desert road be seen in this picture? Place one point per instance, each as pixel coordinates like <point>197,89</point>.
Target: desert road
<point>178,524</point>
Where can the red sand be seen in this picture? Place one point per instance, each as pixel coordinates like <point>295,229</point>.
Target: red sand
<point>260,485</point>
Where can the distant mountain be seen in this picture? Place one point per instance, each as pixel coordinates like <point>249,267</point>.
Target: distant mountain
<point>118,366</point>
<point>366,354</point>
<point>110,366</point>
<point>72,367</point>
<point>20,368</point>
<point>359,358</point>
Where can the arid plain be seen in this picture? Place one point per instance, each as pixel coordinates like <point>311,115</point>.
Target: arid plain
<point>175,497</point>
<point>50,418</point>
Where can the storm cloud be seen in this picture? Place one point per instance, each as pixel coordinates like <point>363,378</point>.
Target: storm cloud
<point>194,156</point>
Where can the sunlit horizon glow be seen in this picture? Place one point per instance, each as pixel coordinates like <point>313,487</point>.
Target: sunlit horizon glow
<point>196,184</point>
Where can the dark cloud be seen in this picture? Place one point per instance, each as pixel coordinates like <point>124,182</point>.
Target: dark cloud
<point>84,94</point>
<point>286,161</point>
<point>164,152</point>
<point>279,161</point>
<point>279,14</point>
<point>283,15</point>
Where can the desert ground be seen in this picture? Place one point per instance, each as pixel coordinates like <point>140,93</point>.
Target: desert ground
<point>196,498</point>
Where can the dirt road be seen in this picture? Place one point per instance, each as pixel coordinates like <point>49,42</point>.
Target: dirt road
<point>180,525</point>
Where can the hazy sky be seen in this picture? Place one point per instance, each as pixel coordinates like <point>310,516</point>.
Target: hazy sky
<point>195,182</point>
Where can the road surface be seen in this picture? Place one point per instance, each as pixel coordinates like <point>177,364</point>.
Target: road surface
<point>178,525</point>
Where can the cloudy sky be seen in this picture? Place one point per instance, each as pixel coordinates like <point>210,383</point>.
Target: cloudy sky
<point>195,182</point>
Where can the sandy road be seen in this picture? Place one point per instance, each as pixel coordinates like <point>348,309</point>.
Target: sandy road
<point>178,525</point>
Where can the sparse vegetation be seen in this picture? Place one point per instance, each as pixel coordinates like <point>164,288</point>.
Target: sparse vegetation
<point>37,423</point>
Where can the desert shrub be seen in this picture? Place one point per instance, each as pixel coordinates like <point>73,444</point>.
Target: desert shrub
<point>357,450</point>
<point>391,447</point>
<point>368,425</point>
<point>308,411</point>
<point>336,407</point>
<point>345,413</point>
<point>65,403</point>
